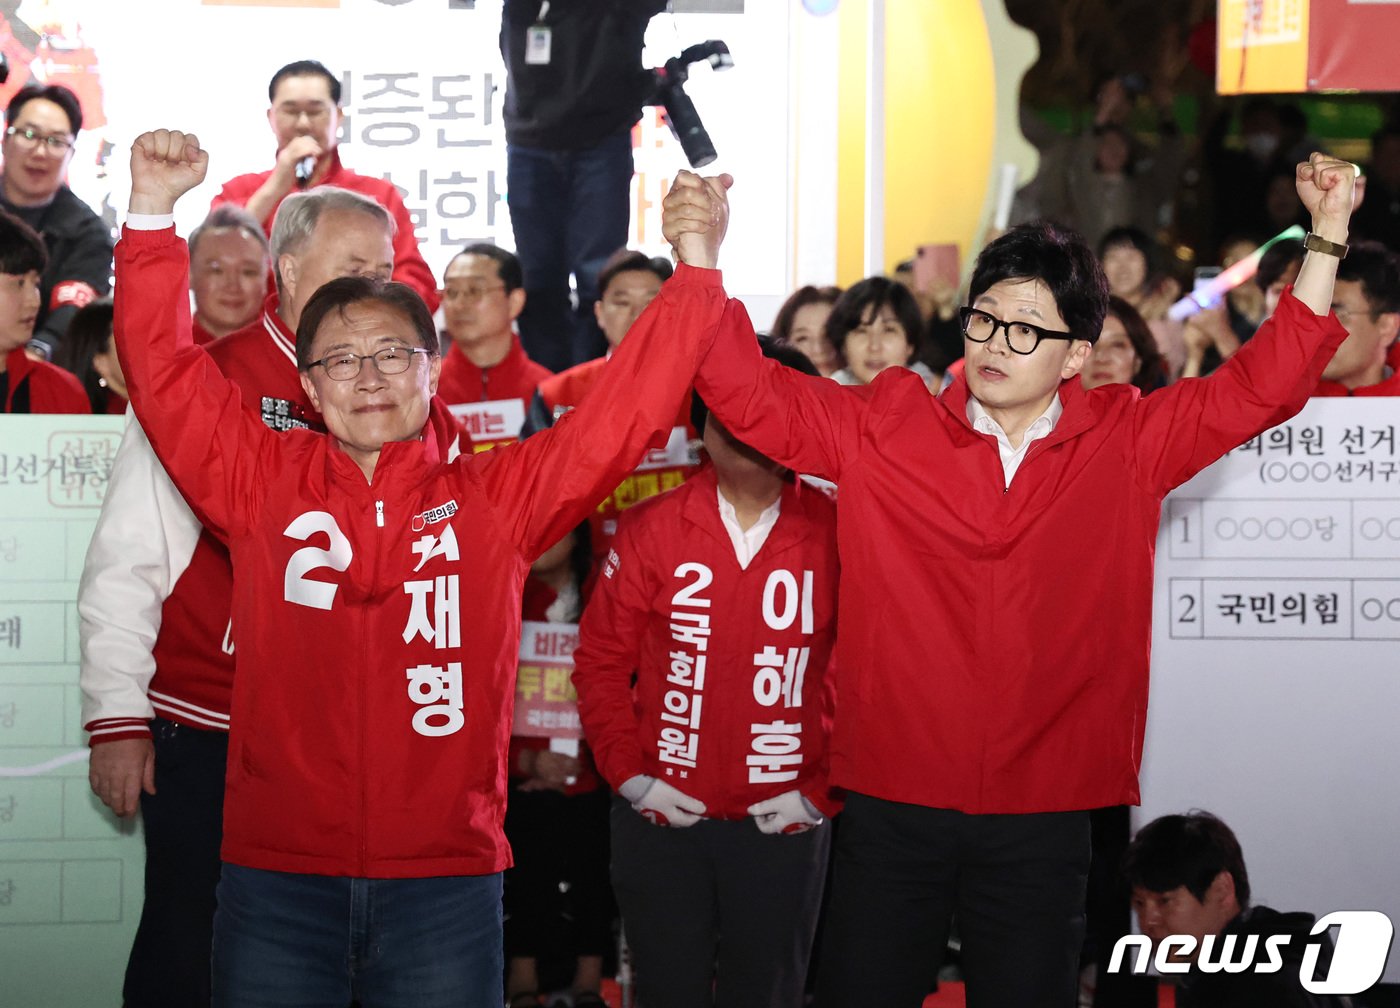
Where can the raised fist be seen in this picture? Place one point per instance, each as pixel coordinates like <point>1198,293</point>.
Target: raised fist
<point>165,164</point>
<point>1327,187</point>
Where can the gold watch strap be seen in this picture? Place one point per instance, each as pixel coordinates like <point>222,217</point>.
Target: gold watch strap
<point>1316,243</point>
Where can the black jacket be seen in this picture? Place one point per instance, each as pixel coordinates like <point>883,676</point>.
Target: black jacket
<point>80,253</point>
<point>1252,989</point>
<point>592,87</point>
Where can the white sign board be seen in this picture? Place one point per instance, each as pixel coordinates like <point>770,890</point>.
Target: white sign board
<point>70,872</point>
<point>1276,658</point>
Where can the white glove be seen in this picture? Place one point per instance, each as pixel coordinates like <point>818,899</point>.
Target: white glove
<point>788,812</point>
<point>665,806</point>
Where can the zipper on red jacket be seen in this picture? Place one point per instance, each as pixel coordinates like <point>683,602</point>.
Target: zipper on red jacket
<point>361,688</point>
<point>1031,452</point>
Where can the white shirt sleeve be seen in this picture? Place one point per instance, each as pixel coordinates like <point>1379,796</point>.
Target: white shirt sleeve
<point>150,222</point>
<point>144,539</point>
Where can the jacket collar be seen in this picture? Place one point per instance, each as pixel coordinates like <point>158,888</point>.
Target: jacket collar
<point>510,364</point>
<point>18,367</point>
<point>701,510</point>
<point>439,443</point>
<point>1078,416</point>
<point>282,338</point>
<point>1388,386</point>
<point>334,169</point>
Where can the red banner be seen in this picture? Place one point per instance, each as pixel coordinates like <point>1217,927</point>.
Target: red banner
<point>1291,46</point>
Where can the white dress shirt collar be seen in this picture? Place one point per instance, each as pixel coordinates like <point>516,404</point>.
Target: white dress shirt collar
<point>1011,458</point>
<point>747,544</point>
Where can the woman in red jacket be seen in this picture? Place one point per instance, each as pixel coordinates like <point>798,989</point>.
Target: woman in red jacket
<point>719,598</point>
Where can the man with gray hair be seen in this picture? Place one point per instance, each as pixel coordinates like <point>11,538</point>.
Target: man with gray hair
<point>154,605</point>
<point>229,268</point>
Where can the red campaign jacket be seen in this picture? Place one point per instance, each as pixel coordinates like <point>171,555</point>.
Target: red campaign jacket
<point>673,593</point>
<point>51,388</point>
<point>194,656</point>
<point>189,637</point>
<point>189,678</point>
<point>666,467</point>
<point>1385,387</point>
<point>378,624</point>
<point>203,336</point>
<point>409,266</point>
<point>994,641</point>
<point>490,402</point>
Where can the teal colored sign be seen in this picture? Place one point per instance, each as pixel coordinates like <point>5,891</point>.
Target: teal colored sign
<point>70,871</point>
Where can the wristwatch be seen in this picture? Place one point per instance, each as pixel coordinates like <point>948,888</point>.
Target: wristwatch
<point>1316,243</point>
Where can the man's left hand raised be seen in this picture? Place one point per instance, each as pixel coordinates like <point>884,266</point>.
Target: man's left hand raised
<point>165,164</point>
<point>1327,187</point>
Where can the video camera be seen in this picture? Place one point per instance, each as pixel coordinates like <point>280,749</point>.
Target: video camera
<point>668,91</point>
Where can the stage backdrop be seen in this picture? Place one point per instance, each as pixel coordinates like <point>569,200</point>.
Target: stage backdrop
<point>422,88</point>
<point>1270,46</point>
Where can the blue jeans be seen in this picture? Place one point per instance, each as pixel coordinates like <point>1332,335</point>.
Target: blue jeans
<point>570,211</point>
<point>283,940</point>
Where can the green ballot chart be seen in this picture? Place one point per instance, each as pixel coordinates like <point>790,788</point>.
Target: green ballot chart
<point>70,871</point>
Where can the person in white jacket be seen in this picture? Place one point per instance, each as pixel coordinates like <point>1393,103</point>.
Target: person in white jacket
<point>154,602</point>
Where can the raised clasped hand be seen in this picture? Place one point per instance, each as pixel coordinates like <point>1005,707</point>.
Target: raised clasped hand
<point>695,217</point>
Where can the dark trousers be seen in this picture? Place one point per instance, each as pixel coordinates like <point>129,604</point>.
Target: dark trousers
<point>1109,914</point>
<point>717,914</point>
<point>570,211</point>
<point>183,822</point>
<point>557,896</point>
<point>1014,882</point>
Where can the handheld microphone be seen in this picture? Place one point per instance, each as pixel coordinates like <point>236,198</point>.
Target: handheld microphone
<point>306,167</point>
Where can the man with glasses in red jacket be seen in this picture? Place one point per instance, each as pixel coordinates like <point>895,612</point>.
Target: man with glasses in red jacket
<point>376,612</point>
<point>992,672</point>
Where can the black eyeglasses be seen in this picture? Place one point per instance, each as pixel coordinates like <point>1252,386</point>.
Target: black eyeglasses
<point>28,136</point>
<point>390,361</point>
<point>1021,337</point>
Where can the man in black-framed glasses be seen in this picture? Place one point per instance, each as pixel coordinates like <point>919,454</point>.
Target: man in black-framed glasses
<point>992,669</point>
<point>42,123</point>
<point>1021,337</point>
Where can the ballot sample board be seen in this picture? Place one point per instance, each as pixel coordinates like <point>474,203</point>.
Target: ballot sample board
<point>70,871</point>
<point>1275,692</point>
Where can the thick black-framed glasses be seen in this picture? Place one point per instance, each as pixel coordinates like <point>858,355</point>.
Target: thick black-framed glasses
<point>1021,337</point>
<point>390,361</point>
<point>30,137</point>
